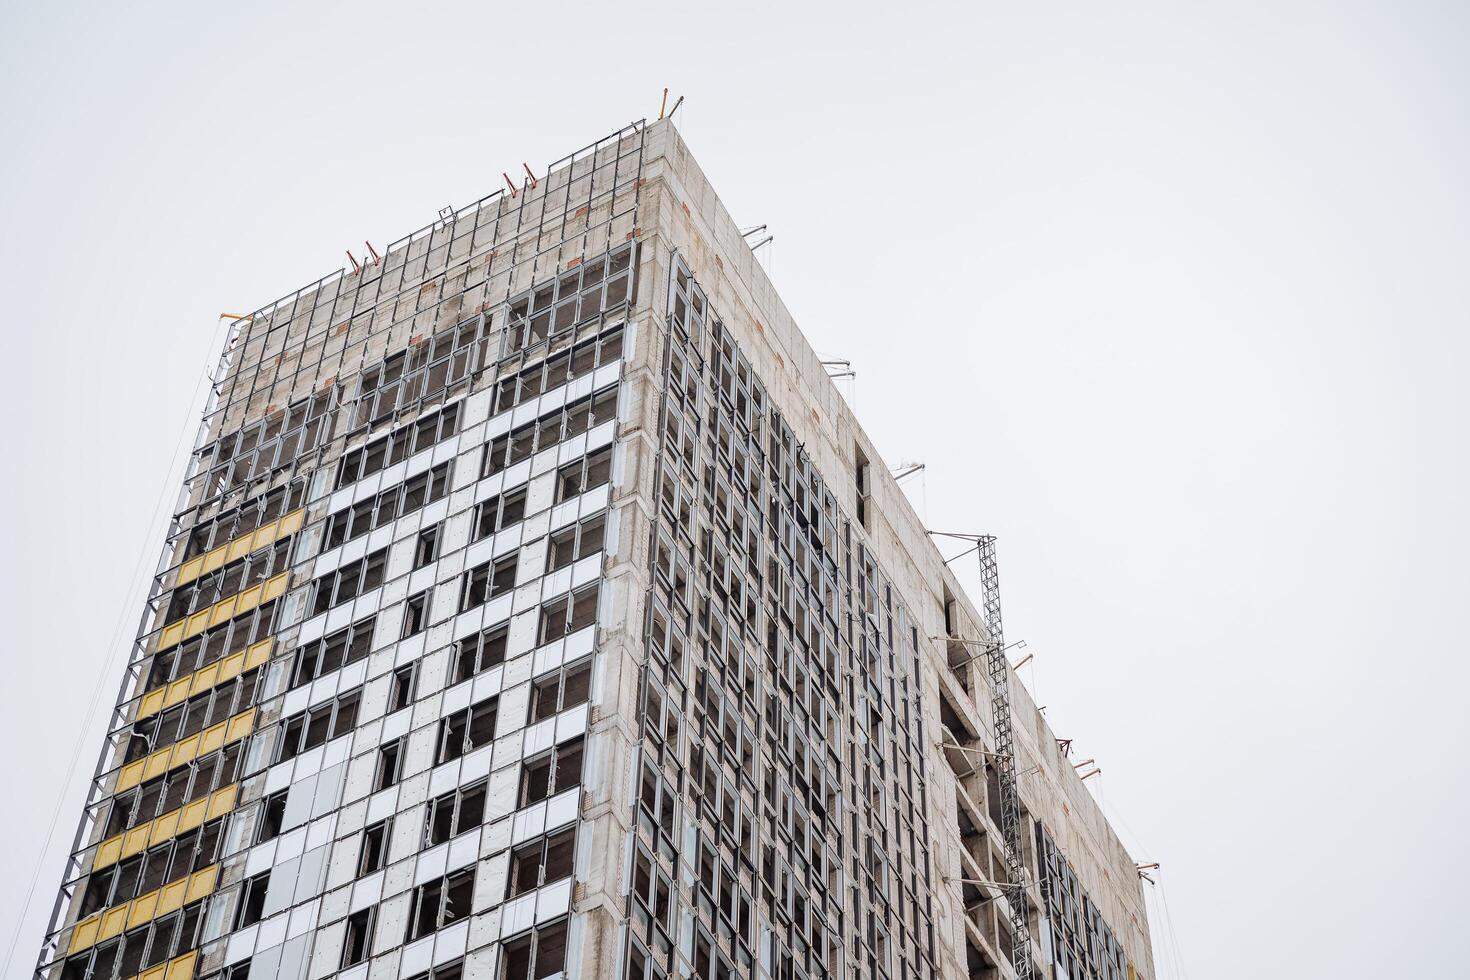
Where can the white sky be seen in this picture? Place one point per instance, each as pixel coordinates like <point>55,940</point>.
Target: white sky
<point>1170,296</point>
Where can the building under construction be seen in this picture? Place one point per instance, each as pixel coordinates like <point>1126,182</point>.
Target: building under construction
<point>535,606</point>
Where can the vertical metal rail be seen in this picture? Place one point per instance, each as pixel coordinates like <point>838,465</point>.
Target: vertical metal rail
<point>73,870</point>
<point>1005,757</point>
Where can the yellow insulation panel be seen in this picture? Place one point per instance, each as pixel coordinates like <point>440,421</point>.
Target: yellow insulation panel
<point>203,679</point>
<point>178,968</point>
<point>112,922</point>
<point>222,611</point>
<point>181,967</point>
<point>170,825</point>
<point>185,751</point>
<point>216,558</point>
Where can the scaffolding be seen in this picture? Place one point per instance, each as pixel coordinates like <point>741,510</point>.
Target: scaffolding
<point>998,673</point>
<point>998,670</point>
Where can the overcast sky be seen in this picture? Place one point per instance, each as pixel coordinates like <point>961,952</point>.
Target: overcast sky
<point>1170,296</point>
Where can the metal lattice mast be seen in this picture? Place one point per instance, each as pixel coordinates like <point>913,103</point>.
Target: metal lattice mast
<point>1005,757</point>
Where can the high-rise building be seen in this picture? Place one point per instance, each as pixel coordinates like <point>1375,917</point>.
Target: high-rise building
<point>535,606</point>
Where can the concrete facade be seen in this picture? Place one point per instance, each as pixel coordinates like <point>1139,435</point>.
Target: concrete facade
<point>536,605</point>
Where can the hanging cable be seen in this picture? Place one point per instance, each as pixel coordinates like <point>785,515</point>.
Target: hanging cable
<point>107,671</point>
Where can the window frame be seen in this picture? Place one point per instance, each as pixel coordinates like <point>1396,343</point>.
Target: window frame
<point>264,817</point>
<point>555,684</point>
<point>575,478</point>
<point>496,508</point>
<point>470,715</point>
<point>374,853</point>
<point>455,800</point>
<point>485,576</point>
<point>561,368</point>
<point>190,717</point>
<point>363,575</point>
<point>482,639</point>
<point>562,755</point>
<point>550,429</point>
<point>426,546</point>
<point>540,850</point>
<point>250,888</point>
<point>403,688</point>
<point>386,506</point>
<point>342,713</point>
<point>368,925</point>
<point>533,939</point>
<point>586,538</point>
<point>441,890</point>
<point>398,444</point>
<point>416,613</point>
<point>357,643</point>
<point>559,617</point>
<point>389,762</point>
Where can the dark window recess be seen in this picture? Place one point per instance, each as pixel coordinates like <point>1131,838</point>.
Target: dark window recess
<point>405,680</point>
<point>512,447</point>
<point>466,730</point>
<point>438,903</point>
<point>651,886</point>
<point>374,854</point>
<point>485,582</point>
<point>576,542</point>
<point>398,445</point>
<point>558,369</point>
<point>551,772</point>
<point>347,645</point>
<point>538,954</point>
<point>359,938</point>
<point>388,505</point>
<point>350,581</point>
<point>252,900</point>
<point>426,549</point>
<point>416,613</point>
<point>142,948</point>
<point>568,614</point>
<point>479,652</point>
<point>587,473</point>
<point>390,764</point>
<point>454,813</point>
<point>499,513</point>
<point>543,861</point>
<point>564,688</point>
<point>445,971</point>
<point>657,800</point>
<point>272,817</point>
<point>315,726</point>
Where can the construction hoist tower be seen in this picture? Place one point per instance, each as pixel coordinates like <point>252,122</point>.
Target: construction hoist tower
<point>1005,756</point>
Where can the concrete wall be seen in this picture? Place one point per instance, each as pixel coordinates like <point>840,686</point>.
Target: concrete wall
<point>688,216</point>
